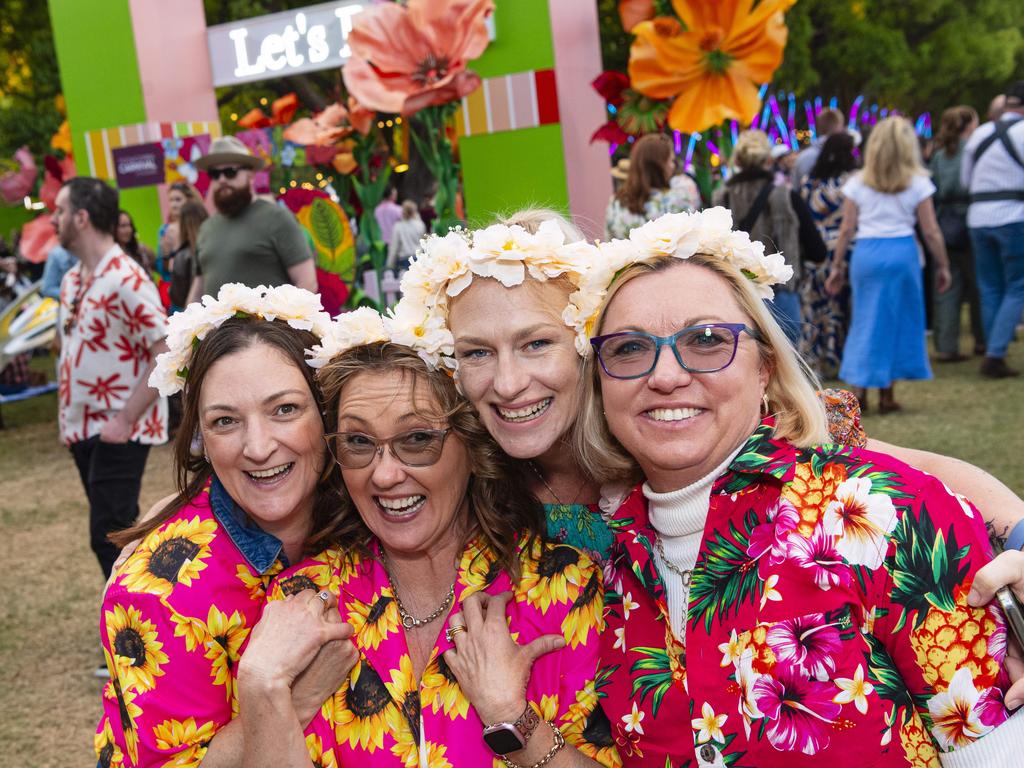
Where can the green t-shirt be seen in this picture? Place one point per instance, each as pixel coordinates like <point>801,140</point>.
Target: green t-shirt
<point>254,248</point>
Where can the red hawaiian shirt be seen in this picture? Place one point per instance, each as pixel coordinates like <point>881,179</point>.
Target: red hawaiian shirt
<point>827,621</point>
<point>108,325</point>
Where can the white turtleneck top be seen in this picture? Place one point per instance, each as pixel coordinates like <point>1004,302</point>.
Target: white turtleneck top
<point>679,517</point>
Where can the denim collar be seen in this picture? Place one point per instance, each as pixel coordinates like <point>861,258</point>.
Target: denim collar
<point>260,549</point>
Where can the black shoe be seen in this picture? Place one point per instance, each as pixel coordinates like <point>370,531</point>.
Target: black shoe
<point>996,368</point>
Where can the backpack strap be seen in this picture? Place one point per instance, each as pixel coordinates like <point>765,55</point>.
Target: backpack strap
<point>1002,135</point>
<point>755,210</point>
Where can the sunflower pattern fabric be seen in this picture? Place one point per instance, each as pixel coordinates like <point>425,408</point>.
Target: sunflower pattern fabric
<point>383,716</point>
<point>173,625</point>
<point>827,620</point>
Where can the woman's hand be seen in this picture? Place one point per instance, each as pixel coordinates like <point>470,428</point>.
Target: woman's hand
<point>492,669</point>
<point>288,638</point>
<point>943,279</point>
<point>835,281</point>
<point>324,675</point>
<point>1007,569</point>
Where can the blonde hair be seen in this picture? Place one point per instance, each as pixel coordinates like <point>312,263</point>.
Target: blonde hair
<point>409,210</point>
<point>893,157</point>
<point>799,414</point>
<point>752,150</point>
<point>530,219</point>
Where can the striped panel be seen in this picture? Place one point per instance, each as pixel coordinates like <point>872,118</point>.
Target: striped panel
<point>98,144</point>
<point>509,103</point>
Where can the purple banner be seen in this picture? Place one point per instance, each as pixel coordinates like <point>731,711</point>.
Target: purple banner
<point>141,165</point>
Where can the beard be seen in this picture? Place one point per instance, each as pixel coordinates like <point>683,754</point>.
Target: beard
<point>230,201</point>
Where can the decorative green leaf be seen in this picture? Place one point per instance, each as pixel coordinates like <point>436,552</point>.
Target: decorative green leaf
<point>657,681</point>
<point>326,228</point>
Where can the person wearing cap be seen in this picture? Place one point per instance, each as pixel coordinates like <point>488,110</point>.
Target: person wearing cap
<point>252,242</point>
<point>992,170</point>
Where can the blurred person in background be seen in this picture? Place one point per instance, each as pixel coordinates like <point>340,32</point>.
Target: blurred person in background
<point>651,188</point>
<point>828,123</point>
<point>405,237</point>
<point>886,340</point>
<point>127,238</point>
<point>951,201</point>
<point>993,170</point>
<point>766,212</point>
<point>825,316</point>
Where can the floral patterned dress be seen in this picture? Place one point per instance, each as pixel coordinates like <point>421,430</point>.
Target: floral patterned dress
<point>827,621</point>
<point>173,625</point>
<point>826,318</point>
<point>383,716</point>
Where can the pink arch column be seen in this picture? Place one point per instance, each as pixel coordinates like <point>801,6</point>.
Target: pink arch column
<point>577,44</point>
<point>174,63</point>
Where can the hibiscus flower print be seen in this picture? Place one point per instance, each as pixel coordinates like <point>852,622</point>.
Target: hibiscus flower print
<point>861,522</point>
<point>801,712</point>
<point>808,642</point>
<point>955,712</point>
<point>819,556</point>
<point>771,538</point>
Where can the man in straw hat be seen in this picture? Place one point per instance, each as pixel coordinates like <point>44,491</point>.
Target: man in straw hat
<point>247,241</point>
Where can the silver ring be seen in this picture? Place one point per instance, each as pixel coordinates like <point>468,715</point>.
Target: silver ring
<point>324,595</point>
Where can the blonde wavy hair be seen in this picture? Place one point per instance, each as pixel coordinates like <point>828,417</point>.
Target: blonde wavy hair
<point>799,414</point>
<point>530,219</point>
<point>893,156</point>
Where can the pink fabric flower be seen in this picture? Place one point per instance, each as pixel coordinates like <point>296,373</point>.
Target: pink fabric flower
<point>801,711</point>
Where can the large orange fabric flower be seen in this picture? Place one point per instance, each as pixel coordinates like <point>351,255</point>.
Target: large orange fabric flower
<point>407,57</point>
<point>330,126</point>
<point>715,65</point>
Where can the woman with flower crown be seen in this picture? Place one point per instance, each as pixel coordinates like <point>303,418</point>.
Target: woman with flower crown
<point>438,561</point>
<point>774,599</point>
<point>178,613</point>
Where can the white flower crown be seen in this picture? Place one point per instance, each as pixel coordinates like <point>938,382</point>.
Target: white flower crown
<point>423,332</point>
<point>446,265</point>
<point>295,306</point>
<point>675,235</point>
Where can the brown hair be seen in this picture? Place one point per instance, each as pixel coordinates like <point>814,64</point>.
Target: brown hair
<point>647,171</point>
<point>191,216</point>
<point>952,126</point>
<point>192,472</point>
<point>500,509</point>
<point>828,121</point>
<point>799,414</point>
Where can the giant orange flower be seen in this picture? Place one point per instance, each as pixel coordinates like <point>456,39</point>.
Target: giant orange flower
<point>407,57</point>
<point>714,66</point>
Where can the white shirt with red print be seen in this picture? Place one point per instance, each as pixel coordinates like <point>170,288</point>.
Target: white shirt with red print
<point>105,352</point>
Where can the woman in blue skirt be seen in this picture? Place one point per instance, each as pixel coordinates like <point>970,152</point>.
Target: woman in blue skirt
<point>886,340</point>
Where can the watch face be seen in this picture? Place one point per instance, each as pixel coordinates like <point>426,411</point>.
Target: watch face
<point>503,740</point>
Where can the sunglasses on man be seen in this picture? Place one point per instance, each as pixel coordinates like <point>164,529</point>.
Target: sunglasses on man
<point>228,173</point>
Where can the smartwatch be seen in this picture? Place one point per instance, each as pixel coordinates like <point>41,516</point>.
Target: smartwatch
<point>505,738</point>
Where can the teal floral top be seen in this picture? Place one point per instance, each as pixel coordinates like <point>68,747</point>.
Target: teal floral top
<point>580,526</point>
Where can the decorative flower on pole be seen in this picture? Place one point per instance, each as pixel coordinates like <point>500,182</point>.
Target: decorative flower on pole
<point>407,57</point>
<point>714,64</point>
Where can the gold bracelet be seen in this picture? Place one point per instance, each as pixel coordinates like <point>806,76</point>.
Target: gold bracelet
<point>559,743</point>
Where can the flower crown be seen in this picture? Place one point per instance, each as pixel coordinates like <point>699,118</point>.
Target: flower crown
<point>423,332</point>
<point>675,235</point>
<point>295,306</point>
<point>445,265</point>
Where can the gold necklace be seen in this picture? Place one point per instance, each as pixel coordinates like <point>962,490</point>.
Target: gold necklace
<point>408,620</point>
<point>551,491</point>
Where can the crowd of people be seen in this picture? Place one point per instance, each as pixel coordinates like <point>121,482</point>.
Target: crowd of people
<point>568,503</point>
<point>885,222</point>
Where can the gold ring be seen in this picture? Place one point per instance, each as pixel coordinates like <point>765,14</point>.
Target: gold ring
<point>452,631</point>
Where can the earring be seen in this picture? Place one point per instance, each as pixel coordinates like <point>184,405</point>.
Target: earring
<point>765,407</point>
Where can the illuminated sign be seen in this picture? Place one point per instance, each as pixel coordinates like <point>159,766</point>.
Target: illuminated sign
<point>302,40</point>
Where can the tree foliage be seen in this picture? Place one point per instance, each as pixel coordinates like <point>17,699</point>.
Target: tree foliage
<point>916,55</point>
<point>29,81</point>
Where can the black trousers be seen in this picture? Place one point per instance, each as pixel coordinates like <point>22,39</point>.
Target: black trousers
<point>112,477</point>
